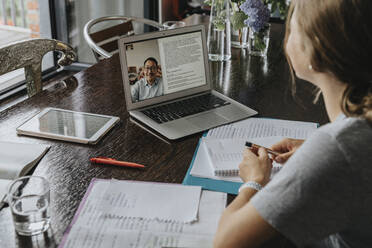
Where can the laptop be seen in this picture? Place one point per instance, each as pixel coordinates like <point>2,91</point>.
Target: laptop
<point>167,83</point>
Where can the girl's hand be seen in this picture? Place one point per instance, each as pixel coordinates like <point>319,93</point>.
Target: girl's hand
<point>254,167</point>
<point>287,147</point>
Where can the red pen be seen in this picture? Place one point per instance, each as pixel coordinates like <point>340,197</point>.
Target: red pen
<point>111,161</point>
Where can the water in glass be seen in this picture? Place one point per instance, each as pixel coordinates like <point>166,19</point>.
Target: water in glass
<point>31,215</point>
<point>28,198</point>
<point>219,31</point>
<point>258,43</point>
<point>239,38</point>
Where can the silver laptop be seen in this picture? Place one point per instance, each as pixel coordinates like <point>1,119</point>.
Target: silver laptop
<point>167,83</point>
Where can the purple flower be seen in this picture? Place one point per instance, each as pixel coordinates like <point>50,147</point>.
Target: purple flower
<point>257,12</point>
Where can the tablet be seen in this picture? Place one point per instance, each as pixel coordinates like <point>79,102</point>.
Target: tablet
<point>68,125</point>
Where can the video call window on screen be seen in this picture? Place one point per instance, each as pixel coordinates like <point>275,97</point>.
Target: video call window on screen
<point>166,65</point>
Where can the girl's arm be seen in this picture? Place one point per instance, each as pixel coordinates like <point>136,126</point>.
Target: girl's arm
<point>240,224</point>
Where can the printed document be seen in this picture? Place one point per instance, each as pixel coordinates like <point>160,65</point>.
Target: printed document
<point>149,200</point>
<point>263,127</point>
<point>182,62</point>
<point>91,228</point>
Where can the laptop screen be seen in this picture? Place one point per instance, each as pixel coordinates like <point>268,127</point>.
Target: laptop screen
<point>165,65</point>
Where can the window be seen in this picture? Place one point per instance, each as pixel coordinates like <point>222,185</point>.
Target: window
<point>63,20</point>
<point>19,20</point>
<point>79,12</point>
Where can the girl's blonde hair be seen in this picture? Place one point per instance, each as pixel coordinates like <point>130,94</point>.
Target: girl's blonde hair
<point>340,36</point>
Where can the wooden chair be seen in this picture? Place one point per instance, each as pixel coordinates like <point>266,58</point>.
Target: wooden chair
<point>104,43</point>
<point>28,54</point>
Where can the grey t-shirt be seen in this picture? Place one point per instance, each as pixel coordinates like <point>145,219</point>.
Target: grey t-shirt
<point>323,195</point>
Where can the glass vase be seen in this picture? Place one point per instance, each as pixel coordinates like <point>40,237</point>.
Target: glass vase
<point>258,43</point>
<point>239,38</point>
<point>219,31</point>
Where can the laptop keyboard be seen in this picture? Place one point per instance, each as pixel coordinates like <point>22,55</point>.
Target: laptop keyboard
<point>189,106</point>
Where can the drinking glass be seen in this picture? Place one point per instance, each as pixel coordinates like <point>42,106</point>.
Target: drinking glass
<point>28,198</point>
<point>239,38</point>
<point>258,43</point>
<point>219,32</point>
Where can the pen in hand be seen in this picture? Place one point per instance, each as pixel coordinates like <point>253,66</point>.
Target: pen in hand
<point>252,145</point>
<point>111,161</point>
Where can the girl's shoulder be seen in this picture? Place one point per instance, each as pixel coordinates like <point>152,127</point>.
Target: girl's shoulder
<point>348,127</point>
<point>353,136</point>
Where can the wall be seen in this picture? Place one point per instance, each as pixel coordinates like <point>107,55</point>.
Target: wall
<point>142,51</point>
<point>33,17</point>
<point>84,10</point>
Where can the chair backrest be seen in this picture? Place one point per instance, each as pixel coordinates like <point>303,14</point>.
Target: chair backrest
<point>104,42</point>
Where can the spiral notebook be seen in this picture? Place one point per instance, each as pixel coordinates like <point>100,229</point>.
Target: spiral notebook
<point>224,155</point>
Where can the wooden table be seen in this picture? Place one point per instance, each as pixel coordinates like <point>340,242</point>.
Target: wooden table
<point>261,84</point>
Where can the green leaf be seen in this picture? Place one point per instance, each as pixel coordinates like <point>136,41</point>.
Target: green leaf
<point>219,23</point>
<point>208,2</point>
<point>259,43</point>
<point>280,5</point>
<point>237,20</point>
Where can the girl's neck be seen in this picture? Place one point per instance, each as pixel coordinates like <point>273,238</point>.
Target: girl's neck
<point>332,91</point>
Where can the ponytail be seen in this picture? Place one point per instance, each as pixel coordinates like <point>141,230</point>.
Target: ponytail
<point>357,101</point>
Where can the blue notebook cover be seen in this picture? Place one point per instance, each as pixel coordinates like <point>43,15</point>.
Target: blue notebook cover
<point>208,183</point>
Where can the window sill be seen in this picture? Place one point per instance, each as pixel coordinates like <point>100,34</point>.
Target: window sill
<point>19,94</point>
<point>11,80</point>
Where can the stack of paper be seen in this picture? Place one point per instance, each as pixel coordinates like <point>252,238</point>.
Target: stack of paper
<point>149,200</point>
<point>219,152</point>
<point>262,127</point>
<point>91,227</point>
<point>17,159</point>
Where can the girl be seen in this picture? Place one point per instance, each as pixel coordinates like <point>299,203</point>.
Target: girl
<point>323,195</point>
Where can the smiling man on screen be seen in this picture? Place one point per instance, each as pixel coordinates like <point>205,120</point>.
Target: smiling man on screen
<point>150,85</point>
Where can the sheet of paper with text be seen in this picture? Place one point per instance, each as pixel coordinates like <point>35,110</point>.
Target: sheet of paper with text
<point>150,200</point>
<point>182,62</point>
<point>92,228</point>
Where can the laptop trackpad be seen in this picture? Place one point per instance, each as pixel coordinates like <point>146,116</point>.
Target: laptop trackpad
<point>207,120</point>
